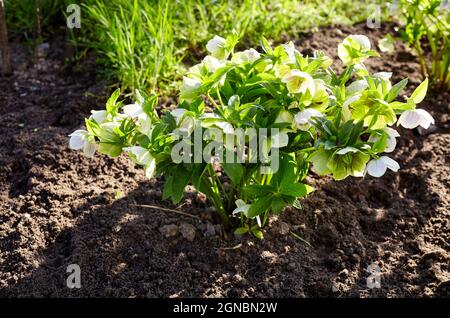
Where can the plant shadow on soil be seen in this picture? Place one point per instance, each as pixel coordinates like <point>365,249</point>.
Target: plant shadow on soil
<point>59,208</point>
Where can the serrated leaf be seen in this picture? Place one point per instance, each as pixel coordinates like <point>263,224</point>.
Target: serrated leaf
<point>260,206</point>
<point>256,190</point>
<point>278,205</point>
<point>294,189</point>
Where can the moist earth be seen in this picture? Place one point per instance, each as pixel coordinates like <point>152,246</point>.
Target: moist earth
<point>59,208</point>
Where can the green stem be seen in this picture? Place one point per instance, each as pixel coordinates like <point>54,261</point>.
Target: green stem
<point>215,196</point>
<point>220,97</point>
<point>216,106</point>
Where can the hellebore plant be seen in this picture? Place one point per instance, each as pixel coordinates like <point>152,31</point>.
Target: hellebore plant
<point>426,23</point>
<point>338,124</point>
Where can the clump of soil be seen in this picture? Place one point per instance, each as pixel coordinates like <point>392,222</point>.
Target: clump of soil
<point>59,208</point>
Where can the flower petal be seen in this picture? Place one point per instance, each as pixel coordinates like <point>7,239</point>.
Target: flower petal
<point>376,168</point>
<point>99,116</point>
<point>132,110</point>
<point>77,139</point>
<point>391,139</point>
<point>89,149</point>
<point>150,168</point>
<point>418,117</point>
<point>390,163</point>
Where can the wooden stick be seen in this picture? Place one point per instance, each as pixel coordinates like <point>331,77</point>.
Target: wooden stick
<point>166,210</point>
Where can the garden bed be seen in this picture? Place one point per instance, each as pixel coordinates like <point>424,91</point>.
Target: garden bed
<point>58,207</point>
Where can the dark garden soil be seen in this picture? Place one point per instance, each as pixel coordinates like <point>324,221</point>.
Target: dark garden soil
<point>58,208</point>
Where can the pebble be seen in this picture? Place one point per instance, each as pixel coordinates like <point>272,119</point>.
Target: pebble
<point>43,49</point>
<point>238,279</point>
<point>169,230</point>
<point>187,230</point>
<point>284,228</point>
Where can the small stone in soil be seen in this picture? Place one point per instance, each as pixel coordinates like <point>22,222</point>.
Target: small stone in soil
<point>187,231</point>
<point>238,279</point>
<point>283,228</point>
<point>169,230</point>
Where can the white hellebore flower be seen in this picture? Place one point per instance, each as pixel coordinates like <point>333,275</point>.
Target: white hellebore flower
<point>225,126</point>
<point>392,134</point>
<point>212,64</point>
<point>359,43</point>
<point>284,117</point>
<point>144,158</point>
<point>99,116</point>
<point>188,90</point>
<point>186,123</point>
<point>242,207</point>
<point>144,121</point>
<point>216,46</point>
<point>246,56</point>
<point>79,139</point>
<point>418,117</point>
<point>377,167</point>
<point>299,82</point>
<point>302,120</point>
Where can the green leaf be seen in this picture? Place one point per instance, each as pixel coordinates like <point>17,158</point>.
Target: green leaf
<point>256,190</point>
<point>197,174</point>
<point>167,192</point>
<point>320,159</point>
<point>149,104</point>
<point>266,46</point>
<point>294,189</point>
<point>395,90</point>
<point>260,206</point>
<point>241,230</point>
<point>179,182</point>
<point>287,171</point>
<point>278,204</point>
<point>257,233</point>
<point>112,150</point>
<point>419,93</point>
<point>111,103</point>
<point>234,171</point>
